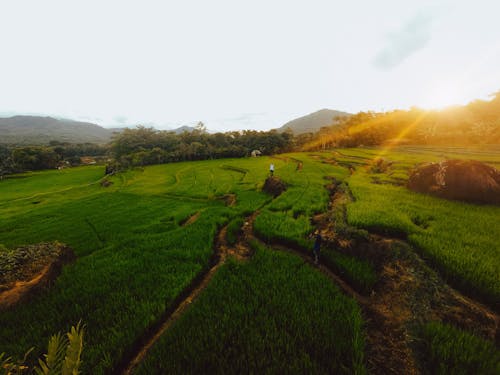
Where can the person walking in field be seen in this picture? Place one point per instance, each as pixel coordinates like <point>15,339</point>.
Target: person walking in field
<point>317,245</point>
<point>271,169</point>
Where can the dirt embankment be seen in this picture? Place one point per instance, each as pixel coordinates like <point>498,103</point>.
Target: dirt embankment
<point>190,219</point>
<point>466,180</point>
<point>28,269</point>
<point>274,186</point>
<point>407,294</point>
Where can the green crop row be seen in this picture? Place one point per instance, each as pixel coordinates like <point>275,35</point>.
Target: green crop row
<point>272,314</point>
<point>451,351</point>
<point>287,219</point>
<point>461,239</point>
<point>234,230</point>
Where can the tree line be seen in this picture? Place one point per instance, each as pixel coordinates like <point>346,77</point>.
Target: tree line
<point>17,159</point>
<point>144,146</point>
<point>475,123</point>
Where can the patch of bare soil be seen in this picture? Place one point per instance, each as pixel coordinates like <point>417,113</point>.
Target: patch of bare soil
<point>191,219</point>
<point>274,186</point>
<point>229,199</point>
<point>242,250</point>
<point>29,269</point>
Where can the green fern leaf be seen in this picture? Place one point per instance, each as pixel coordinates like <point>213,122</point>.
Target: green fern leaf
<point>72,361</point>
<point>53,360</point>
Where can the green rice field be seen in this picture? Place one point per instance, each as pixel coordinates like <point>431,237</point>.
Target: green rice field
<point>137,251</point>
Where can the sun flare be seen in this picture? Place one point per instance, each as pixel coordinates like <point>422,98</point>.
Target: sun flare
<point>442,97</point>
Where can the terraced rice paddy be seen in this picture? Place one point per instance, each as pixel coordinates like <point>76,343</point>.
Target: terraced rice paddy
<point>144,240</point>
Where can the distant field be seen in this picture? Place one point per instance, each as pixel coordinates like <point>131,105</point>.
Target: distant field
<point>136,255</point>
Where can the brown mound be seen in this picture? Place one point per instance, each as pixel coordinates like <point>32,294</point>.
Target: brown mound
<point>467,180</point>
<point>30,268</point>
<point>105,182</point>
<point>229,199</point>
<point>274,186</point>
<point>380,165</point>
<point>190,219</point>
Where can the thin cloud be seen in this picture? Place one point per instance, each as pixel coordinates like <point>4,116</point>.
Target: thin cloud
<point>412,37</point>
<point>120,119</point>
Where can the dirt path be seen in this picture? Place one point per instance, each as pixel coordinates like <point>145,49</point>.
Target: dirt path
<point>20,289</point>
<point>241,250</point>
<point>193,292</point>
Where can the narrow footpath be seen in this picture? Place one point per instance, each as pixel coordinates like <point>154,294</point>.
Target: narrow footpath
<point>240,250</point>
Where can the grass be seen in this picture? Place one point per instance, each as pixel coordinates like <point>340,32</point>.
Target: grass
<point>234,230</point>
<point>272,314</point>
<point>287,219</point>
<point>460,238</point>
<point>451,351</point>
<point>133,257</point>
<point>359,273</point>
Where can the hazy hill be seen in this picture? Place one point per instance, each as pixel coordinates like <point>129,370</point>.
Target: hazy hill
<point>182,129</point>
<point>40,130</point>
<point>313,121</point>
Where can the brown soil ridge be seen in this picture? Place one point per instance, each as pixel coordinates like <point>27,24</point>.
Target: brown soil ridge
<point>408,293</point>
<point>222,251</point>
<point>36,279</point>
<point>191,219</point>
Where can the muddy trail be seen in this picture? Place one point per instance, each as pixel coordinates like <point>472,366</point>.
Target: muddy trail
<point>408,293</point>
<point>241,250</point>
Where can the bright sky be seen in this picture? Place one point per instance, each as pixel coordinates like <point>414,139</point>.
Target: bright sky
<point>237,64</point>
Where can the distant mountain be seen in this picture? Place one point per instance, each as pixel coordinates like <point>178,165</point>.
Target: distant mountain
<point>37,130</point>
<point>182,129</point>
<point>313,121</point>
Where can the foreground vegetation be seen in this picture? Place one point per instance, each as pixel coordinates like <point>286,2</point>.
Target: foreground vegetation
<point>452,351</point>
<point>63,356</point>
